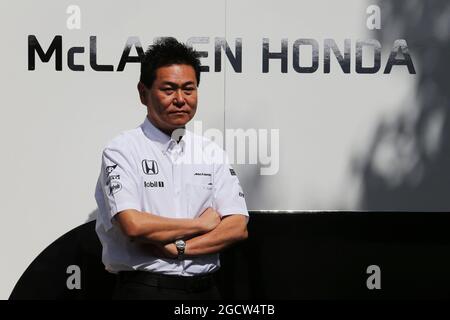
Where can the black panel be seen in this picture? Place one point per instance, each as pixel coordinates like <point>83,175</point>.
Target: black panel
<point>287,256</point>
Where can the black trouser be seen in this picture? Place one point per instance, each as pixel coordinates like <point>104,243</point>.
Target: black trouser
<point>142,285</point>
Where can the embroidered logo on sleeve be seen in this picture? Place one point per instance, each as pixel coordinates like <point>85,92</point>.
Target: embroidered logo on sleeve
<point>112,177</point>
<point>114,187</point>
<point>110,169</point>
<point>232,172</point>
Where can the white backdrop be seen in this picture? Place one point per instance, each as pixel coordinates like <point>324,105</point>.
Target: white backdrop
<point>54,124</point>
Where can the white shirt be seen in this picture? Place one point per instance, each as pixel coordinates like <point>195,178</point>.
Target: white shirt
<point>144,169</point>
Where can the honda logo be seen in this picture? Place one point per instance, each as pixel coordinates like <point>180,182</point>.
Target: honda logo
<point>150,167</point>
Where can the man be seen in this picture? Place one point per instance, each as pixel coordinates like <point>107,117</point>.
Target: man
<point>168,202</point>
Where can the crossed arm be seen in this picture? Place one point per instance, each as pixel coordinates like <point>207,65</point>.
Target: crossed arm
<point>206,234</point>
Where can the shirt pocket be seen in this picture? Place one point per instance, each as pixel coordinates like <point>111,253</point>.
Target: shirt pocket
<point>200,197</point>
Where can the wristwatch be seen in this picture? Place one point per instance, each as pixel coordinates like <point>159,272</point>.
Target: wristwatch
<point>181,245</point>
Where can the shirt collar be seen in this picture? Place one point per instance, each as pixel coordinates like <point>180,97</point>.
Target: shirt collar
<point>164,141</point>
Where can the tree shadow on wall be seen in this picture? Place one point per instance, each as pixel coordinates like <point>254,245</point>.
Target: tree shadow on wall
<point>407,167</point>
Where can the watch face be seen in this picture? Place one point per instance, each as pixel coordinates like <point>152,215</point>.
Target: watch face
<point>180,244</point>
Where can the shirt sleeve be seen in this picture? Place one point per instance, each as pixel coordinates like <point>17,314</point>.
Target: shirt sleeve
<point>228,194</point>
<point>117,185</point>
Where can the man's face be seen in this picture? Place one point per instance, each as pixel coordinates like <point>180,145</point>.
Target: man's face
<point>172,100</point>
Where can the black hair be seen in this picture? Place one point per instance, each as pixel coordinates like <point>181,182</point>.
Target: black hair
<point>166,52</point>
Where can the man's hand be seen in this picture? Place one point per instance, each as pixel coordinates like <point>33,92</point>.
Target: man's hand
<point>210,219</point>
<point>161,251</point>
<point>232,228</point>
<point>170,251</point>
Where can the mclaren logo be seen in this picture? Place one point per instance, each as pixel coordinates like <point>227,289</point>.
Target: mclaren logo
<point>202,174</point>
<point>150,167</point>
